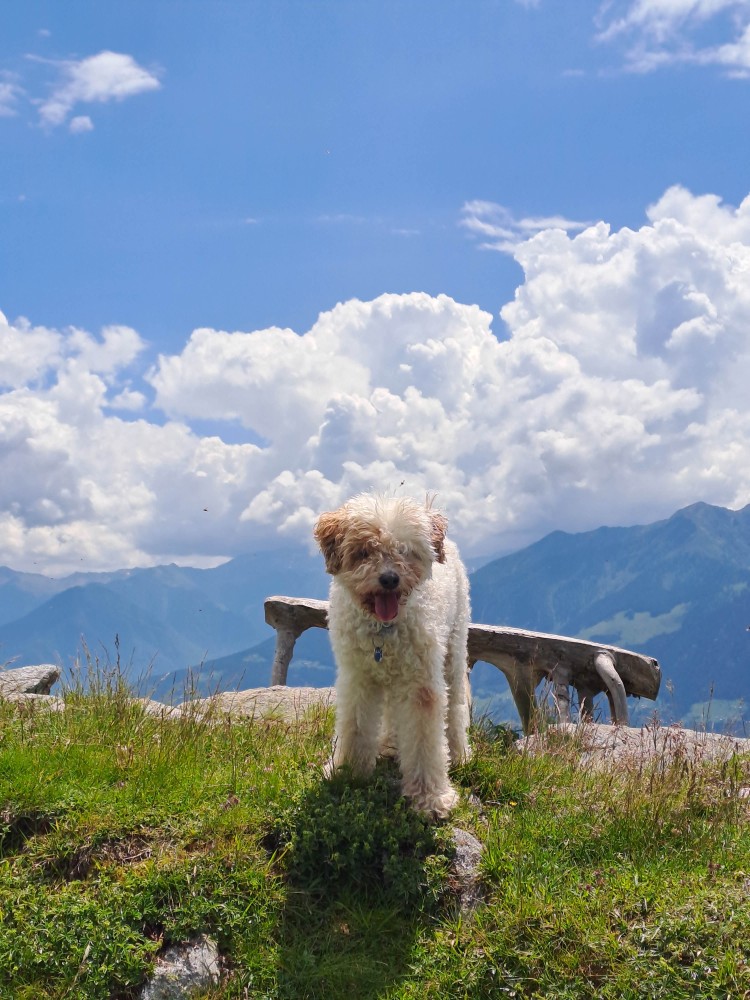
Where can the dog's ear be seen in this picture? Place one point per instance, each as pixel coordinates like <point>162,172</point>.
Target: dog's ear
<point>328,534</point>
<point>439,526</point>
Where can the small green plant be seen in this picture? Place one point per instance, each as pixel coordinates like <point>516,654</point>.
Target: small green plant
<point>361,836</point>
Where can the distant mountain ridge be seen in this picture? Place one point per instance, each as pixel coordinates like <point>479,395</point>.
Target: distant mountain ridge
<point>678,589</point>
<point>166,618</point>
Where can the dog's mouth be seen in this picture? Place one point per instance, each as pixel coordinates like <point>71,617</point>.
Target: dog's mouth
<point>384,604</point>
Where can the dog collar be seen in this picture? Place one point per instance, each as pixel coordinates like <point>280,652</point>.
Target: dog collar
<point>383,629</point>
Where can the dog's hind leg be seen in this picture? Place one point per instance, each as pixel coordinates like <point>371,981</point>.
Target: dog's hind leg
<point>459,702</point>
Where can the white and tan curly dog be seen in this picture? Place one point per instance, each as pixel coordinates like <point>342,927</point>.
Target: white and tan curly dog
<point>398,619</point>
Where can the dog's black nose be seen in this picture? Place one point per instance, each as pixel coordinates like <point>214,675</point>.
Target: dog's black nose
<point>388,580</point>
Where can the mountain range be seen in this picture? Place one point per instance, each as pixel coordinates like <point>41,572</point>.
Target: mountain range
<point>678,589</point>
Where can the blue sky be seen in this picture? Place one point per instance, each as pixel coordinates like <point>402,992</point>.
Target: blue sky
<point>234,168</point>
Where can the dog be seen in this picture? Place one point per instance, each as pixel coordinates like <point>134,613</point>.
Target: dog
<point>398,619</point>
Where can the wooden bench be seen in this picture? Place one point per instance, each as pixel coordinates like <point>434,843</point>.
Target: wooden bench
<point>526,659</point>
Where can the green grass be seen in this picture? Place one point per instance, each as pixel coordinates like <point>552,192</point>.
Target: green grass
<point>121,832</point>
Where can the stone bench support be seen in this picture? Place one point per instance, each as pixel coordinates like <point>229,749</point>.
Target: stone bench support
<point>291,616</point>
<point>526,659</point>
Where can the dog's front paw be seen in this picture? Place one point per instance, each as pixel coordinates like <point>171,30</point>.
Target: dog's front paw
<point>434,804</point>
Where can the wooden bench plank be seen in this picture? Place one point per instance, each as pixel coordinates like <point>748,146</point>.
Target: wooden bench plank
<point>526,658</point>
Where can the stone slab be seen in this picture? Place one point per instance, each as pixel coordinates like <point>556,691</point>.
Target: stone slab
<point>28,680</point>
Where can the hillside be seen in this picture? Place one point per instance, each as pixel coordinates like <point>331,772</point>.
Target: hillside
<point>124,832</point>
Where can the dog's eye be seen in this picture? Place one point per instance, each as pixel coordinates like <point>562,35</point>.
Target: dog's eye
<point>361,555</point>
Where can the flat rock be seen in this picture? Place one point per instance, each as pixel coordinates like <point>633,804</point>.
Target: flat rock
<point>286,703</point>
<point>158,708</point>
<point>465,869</point>
<point>183,970</point>
<point>28,680</point>
<point>603,744</point>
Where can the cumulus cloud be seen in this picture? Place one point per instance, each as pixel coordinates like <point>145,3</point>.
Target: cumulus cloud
<point>659,33</point>
<point>26,353</point>
<point>615,391</point>
<point>81,486</point>
<point>596,407</point>
<point>107,76</point>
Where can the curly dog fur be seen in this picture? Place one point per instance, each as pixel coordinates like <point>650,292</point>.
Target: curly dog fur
<point>398,619</point>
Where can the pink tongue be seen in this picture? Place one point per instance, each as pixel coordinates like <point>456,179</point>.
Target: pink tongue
<point>386,606</point>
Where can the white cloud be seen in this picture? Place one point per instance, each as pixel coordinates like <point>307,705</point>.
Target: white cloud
<point>107,76</point>
<point>26,353</point>
<point>596,408</point>
<point>10,92</point>
<point>118,347</point>
<point>661,18</point>
<point>80,487</point>
<point>79,124</point>
<point>128,399</point>
<point>734,55</point>
<point>659,33</point>
<point>499,229</point>
<point>616,394</point>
